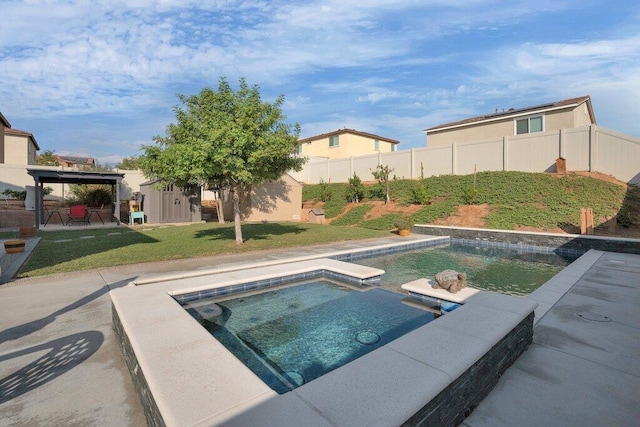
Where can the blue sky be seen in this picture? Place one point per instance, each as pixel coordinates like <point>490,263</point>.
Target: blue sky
<point>101,79</point>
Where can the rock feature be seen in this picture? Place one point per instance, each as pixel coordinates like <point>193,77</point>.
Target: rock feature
<point>451,281</point>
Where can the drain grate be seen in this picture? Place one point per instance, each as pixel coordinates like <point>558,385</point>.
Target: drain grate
<point>367,337</point>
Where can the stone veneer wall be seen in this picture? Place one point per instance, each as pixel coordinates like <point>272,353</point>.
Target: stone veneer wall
<point>579,244</point>
<point>456,402</point>
<point>151,411</point>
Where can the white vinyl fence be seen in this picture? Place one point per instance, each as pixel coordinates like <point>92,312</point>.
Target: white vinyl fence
<point>593,149</point>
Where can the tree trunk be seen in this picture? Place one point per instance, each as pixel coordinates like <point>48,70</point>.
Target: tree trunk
<point>219,207</point>
<point>236,214</point>
<point>387,198</point>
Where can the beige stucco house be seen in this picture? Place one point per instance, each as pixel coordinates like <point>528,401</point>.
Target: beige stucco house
<point>345,143</point>
<point>565,114</point>
<point>17,147</point>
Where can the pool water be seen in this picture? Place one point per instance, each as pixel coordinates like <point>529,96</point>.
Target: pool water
<point>500,270</point>
<point>292,335</point>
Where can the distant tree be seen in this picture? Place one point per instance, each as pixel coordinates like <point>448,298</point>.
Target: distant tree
<point>48,158</point>
<point>224,138</point>
<point>129,163</point>
<point>381,173</point>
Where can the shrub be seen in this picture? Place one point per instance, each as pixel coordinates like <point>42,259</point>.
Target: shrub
<point>420,194</point>
<point>325,191</point>
<point>90,195</point>
<point>403,222</point>
<point>470,194</point>
<point>355,189</point>
<point>14,194</point>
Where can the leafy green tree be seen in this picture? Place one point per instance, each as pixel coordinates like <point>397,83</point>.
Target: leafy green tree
<point>381,173</point>
<point>129,163</point>
<point>48,158</point>
<point>224,138</point>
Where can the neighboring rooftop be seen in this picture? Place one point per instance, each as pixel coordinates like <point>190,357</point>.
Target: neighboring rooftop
<point>75,161</point>
<point>351,131</point>
<point>513,112</point>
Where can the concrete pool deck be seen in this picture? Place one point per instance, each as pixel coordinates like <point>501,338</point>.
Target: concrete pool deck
<point>582,369</point>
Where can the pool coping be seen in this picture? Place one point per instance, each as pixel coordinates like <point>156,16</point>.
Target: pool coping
<point>196,381</point>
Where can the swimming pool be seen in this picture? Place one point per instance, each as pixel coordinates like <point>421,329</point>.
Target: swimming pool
<point>506,271</point>
<point>291,335</point>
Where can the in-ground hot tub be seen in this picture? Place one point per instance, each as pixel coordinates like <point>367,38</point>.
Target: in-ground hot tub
<point>436,373</point>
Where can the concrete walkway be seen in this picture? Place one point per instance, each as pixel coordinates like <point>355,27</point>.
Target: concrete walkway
<point>583,368</point>
<point>60,363</point>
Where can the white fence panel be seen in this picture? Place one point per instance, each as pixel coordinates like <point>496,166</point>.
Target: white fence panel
<point>534,152</point>
<point>436,161</point>
<point>363,165</point>
<point>575,149</point>
<point>317,171</point>
<point>340,170</point>
<point>400,162</point>
<point>618,155</point>
<point>483,156</point>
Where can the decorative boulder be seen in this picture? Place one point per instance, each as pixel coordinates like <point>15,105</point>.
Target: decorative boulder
<point>451,281</point>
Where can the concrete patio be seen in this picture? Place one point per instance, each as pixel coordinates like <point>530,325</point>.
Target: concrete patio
<point>60,363</point>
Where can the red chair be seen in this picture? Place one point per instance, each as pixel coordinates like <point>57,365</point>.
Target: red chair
<point>78,213</point>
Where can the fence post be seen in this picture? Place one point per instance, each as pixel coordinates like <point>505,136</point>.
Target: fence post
<point>413,166</point>
<point>504,153</point>
<point>328,170</point>
<point>561,139</point>
<point>592,148</point>
<point>453,158</point>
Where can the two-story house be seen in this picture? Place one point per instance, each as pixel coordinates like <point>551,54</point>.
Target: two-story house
<point>17,147</point>
<point>565,114</point>
<point>345,143</point>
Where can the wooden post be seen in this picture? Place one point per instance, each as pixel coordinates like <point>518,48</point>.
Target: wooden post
<point>586,221</point>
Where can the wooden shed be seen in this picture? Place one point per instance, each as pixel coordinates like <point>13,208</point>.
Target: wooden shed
<point>169,204</point>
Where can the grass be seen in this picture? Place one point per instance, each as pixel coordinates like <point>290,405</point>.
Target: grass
<point>515,199</point>
<point>99,248</point>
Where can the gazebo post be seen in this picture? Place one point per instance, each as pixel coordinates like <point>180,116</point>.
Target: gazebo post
<point>39,203</point>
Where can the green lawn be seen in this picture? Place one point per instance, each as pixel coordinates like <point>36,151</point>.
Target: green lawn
<point>99,248</point>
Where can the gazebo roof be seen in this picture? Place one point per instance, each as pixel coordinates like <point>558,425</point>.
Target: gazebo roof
<point>74,177</point>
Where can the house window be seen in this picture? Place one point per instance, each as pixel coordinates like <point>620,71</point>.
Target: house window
<point>393,147</point>
<point>299,148</point>
<point>333,141</point>
<point>529,125</point>
<point>376,145</point>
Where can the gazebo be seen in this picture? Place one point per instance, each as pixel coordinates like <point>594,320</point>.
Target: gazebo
<point>49,176</point>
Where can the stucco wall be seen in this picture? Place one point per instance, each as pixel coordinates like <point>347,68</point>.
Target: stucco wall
<point>553,120</point>
<point>15,150</point>
<point>279,200</point>
<point>348,145</point>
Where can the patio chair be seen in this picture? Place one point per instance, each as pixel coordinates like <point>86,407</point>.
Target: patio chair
<point>78,213</point>
<point>95,211</point>
<point>52,213</point>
